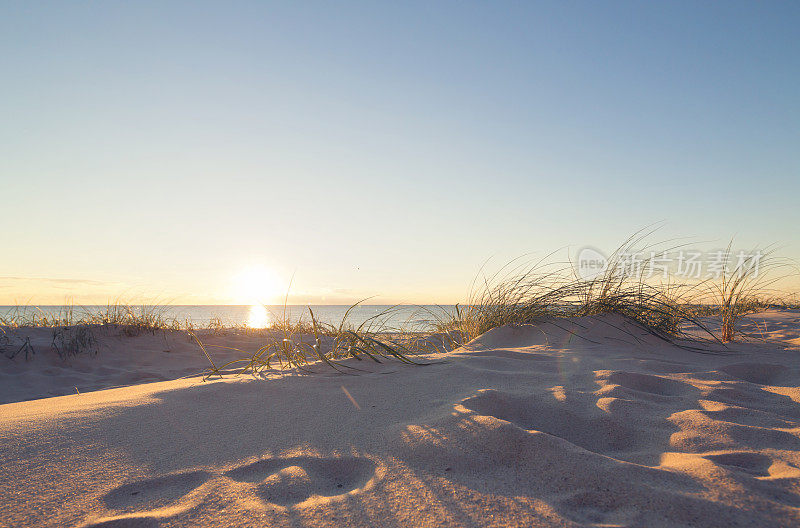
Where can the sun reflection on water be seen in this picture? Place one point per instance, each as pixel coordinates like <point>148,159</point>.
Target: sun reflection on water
<point>258,317</point>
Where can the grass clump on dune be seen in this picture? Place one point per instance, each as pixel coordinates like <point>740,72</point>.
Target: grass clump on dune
<point>134,320</point>
<point>299,344</point>
<point>743,290</point>
<point>74,328</point>
<point>517,294</point>
<point>129,319</point>
<point>658,305</point>
<point>12,349</point>
<point>528,294</point>
<point>74,340</point>
<point>662,305</point>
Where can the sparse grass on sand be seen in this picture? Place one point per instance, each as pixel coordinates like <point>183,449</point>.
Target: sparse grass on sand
<point>129,319</point>
<point>744,289</point>
<point>74,327</point>
<point>297,344</point>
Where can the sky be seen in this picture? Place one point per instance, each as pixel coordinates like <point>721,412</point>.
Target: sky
<point>210,152</point>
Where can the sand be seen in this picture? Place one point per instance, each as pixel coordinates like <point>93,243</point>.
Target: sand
<point>589,422</point>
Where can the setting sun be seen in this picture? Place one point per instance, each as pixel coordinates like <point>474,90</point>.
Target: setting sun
<point>255,285</point>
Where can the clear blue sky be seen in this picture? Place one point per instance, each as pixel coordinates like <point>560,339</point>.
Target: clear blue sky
<point>159,148</point>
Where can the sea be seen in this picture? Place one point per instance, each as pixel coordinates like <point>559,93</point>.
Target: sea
<point>410,317</point>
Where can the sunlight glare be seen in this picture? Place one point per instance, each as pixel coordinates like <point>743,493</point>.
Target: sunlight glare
<point>258,317</point>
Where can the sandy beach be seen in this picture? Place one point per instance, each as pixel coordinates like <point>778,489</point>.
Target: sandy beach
<point>581,422</point>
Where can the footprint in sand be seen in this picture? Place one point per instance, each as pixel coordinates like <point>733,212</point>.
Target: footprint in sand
<point>584,427</point>
<point>758,373</point>
<point>152,494</point>
<point>646,383</point>
<point>509,361</point>
<point>752,463</point>
<point>281,481</point>
<point>744,416</point>
<point>756,464</point>
<point>596,507</point>
<point>291,481</point>
<point>753,397</point>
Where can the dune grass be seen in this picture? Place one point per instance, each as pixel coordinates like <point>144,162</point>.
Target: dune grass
<point>298,344</point>
<point>74,327</point>
<point>743,290</point>
<point>129,319</point>
<point>12,348</point>
<point>73,340</point>
<point>548,288</point>
<point>659,303</point>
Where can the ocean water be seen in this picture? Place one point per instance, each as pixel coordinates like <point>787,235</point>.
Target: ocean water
<point>255,316</point>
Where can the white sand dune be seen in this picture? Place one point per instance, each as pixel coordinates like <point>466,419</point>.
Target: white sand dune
<point>587,422</point>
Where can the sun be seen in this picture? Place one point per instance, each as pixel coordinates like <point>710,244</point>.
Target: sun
<point>255,285</point>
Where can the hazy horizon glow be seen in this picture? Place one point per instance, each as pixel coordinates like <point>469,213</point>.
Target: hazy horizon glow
<point>159,151</point>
